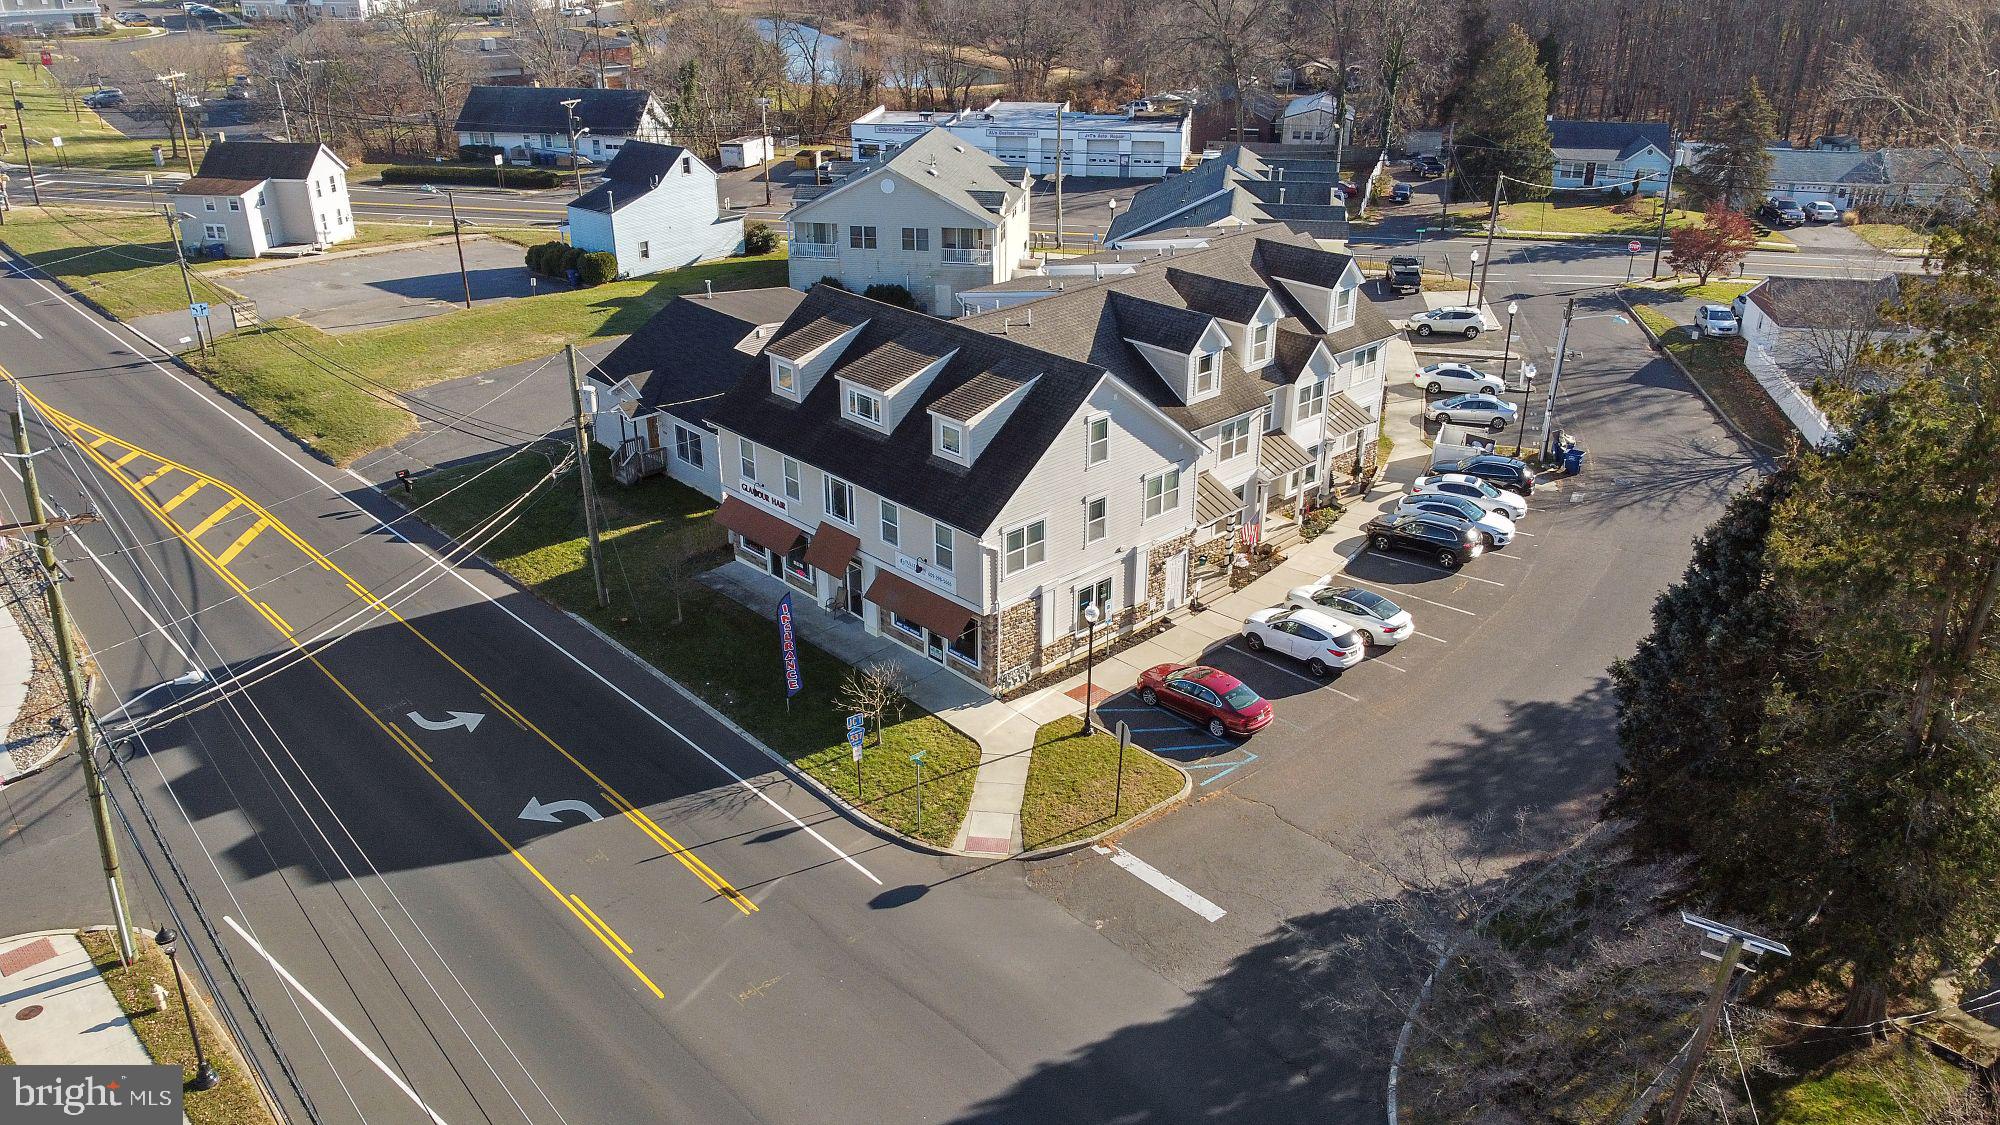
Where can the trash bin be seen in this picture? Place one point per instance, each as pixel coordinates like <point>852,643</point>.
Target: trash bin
<point>1573,460</point>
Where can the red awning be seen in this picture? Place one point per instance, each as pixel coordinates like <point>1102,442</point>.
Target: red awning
<point>758,526</point>
<point>912,602</point>
<point>831,549</point>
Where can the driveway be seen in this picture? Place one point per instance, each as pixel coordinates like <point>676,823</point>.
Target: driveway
<point>354,293</point>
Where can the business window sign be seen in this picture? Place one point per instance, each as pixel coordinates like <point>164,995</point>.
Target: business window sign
<point>927,572</point>
<point>788,646</point>
<point>758,493</point>
<point>110,1095</point>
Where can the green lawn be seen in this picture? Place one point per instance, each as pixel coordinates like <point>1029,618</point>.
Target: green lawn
<point>1718,366</point>
<point>165,1032</point>
<point>1719,290</point>
<point>1887,1083</point>
<point>88,140</point>
<point>1072,779</point>
<point>1892,236</point>
<point>6,1056</point>
<point>282,371</point>
<point>1556,217</point>
<point>714,647</point>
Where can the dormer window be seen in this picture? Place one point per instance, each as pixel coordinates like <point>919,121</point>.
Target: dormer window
<point>1343,306</point>
<point>951,440</point>
<point>1260,344</point>
<point>864,407</point>
<point>1206,366</point>
<point>785,377</point>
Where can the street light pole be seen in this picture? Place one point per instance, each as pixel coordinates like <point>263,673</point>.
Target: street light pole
<point>205,1077</point>
<point>458,238</point>
<point>764,138</point>
<point>1091,616</point>
<point>1471,271</point>
<point>27,151</point>
<point>1507,353</point>
<point>576,169</point>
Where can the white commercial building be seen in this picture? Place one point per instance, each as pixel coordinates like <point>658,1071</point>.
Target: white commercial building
<point>1024,135</point>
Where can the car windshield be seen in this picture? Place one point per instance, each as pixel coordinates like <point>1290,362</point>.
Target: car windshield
<point>1481,487</point>
<point>1240,698</point>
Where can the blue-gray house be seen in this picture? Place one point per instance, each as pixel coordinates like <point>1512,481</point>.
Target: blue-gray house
<point>1613,155</point>
<point>656,210</point>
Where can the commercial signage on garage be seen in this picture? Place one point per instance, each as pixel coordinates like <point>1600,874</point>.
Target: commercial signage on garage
<point>1104,136</point>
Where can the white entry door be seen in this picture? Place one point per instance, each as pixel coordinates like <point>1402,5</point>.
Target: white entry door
<point>1177,573</point>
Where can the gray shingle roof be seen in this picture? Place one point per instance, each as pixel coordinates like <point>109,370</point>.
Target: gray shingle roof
<point>892,363</point>
<point>943,164</point>
<point>1216,296</point>
<point>539,109</point>
<point>1173,327</point>
<point>687,354</point>
<point>980,393</point>
<point>1827,302</point>
<point>259,160</point>
<point>636,170</point>
<point>1608,140</point>
<point>1826,166</point>
<point>798,339</point>
<point>1237,185</point>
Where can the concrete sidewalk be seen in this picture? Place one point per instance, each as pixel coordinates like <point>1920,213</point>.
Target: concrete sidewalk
<point>56,1009</point>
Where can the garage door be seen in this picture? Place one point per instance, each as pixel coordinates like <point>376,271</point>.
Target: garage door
<point>1013,150</point>
<point>1048,164</point>
<point>1101,157</point>
<point>1149,158</point>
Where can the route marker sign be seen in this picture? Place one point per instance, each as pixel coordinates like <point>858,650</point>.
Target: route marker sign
<point>199,309</point>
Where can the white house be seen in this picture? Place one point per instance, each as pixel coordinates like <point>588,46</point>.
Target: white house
<point>48,15</point>
<point>969,488</point>
<point>1025,135</point>
<point>1308,120</point>
<point>1798,330</point>
<point>253,196</point>
<point>312,9</point>
<point>937,217</point>
<point>654,391</point>
<point>1612,154</point>
<point>1839,172</point>
<point>656,209</point>
<point>531,124</point>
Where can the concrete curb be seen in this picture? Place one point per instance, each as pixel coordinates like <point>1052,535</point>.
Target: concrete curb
<point>1764,457</point>
<point>1133,821</point>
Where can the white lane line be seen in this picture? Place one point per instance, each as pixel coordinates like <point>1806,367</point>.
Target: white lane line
<point>1378,662</point>
<point>437,561</point>
<point>1459,573</point>
<point>1161,882</point>
<point>19,321</point>
<point>292,981</point>
<point>1439,640</point>
<point>1401,594</point>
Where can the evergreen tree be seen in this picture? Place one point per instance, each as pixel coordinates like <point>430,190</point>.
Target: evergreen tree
<point>1549,52</point>
<point>1735,167</point>
<point>1503,124</point>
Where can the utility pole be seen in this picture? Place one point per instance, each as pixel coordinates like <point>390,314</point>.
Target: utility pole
<point>576,169</point>
<point>1735,943</point>
<point>187,281</point>
<point>1556,376</point>
<point>180,118</point>
<point>27,151</point>
<point>583,478</point>
<point>79,707</point>
<point>1666,205</point>
<point>457,238</point>
<point>764,137</point>
<point>284,115</point>
<point>1492,227</point>
<point>1060,159</point>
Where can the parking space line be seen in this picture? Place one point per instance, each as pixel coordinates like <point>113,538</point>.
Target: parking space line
<point>1380,662</point>
<point>1161,882</point>
<point>1204,744</point>
<point>1262,659</point>
<point>1223,769</point>
<point>1427,636</point>
<point>1402,594</point>
<point>1459,573</point>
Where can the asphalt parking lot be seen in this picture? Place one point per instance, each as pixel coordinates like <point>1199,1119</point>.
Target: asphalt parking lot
<point>1500,705</point>
<point>351,294</point>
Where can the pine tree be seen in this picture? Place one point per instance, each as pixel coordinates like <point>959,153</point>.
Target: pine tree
<point>1503,124</point>
<point>1735,167</point>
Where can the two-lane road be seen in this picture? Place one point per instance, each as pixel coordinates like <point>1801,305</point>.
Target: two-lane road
<point>507,874</point>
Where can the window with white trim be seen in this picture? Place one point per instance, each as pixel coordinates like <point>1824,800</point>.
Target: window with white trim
<point>1260,343</point>
<point>1097,594</point>
<point>208,204</point>
<point>951,440</point>
<point>861,238</point>
<point>687,446</point>
<point>1232,439</point>
<point>746,459</point>
<point>862,406</point>
<point>1206,366</point>
<point>1312,400</point>
<point>1097,440</point>
<point>1273,420</point>
<point>792,489</point>
<point>916,239</point>
<point>1163,493</point>
<point>1096,512</point>
<point>784,377</point>
<point>1026,546</point>
<point>645,249</point>
<point>1343,306</point>
<point>943,540</point>
<point>215,232</point>
<point>1311,470</point>
<point>892,524</point>
<point>236,205</point>
<point>839,500</point>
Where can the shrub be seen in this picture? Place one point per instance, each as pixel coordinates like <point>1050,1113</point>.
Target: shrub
<point>1319,519</point>
<point>10,46</point>
<point>469,174</point>
<point>832,282</point>
<point>598,267</point>
<point>541,256</point>
<point>759,238</point>
<point>478,154</point>
<point>889,293</point>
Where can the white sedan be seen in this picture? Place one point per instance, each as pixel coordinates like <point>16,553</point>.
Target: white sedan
<point>1715,320</point>
<point>1497,526</point>
<point>1457,378</point>
<point>1379,620</point>
<point>1322,643</point>
<point>1472,488</point>
<point>1473,410</point>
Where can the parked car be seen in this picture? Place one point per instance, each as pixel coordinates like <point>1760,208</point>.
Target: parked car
<point>1473,489</point>
<point>1380,620</point>
<point>1221,703</point>
<point>1406,275</point>
<point>1497,526</point>
<point>1460,319</point>
<point>1473,410</point>
<point>1458,378</point>
<point>1401,192</point>
<point>1782,213</point>
<point>1448,544</point>
<point>104,99</point>
<point>187,101</point>
<point>1324,645</point>
<point>1715,320</point>
<point>1427,166</point>
<point>1510,473</point>
<point>1820,211</point>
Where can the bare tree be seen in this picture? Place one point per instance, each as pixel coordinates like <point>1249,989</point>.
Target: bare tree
<point>1033,36</point>
<point>426,33</point>
<point>549,49</point>
<point>1845,323</point>
<point>1232,41</point>
<point>953,32</point>
<point>1947,91</point>
<point>873,691</point>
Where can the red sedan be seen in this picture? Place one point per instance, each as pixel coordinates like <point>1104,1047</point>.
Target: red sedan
<point>1220,702</point>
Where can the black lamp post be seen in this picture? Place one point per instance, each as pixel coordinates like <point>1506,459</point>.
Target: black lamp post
<point>205,1077</point>
<point>1091,615</point>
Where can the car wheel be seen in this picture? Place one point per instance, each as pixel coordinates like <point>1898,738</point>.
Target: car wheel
<point>1444,419</point>
<point>1317,667</point>
<point>1448,560</point>
<point>1149,697</point>
<point>1216,729</point>
<point>1497,424</point>
<point>1472,332</point>
<point>1254,642</point>
<point>1380,542</point>
<point>1436,389</point>
<point>1423,329</point>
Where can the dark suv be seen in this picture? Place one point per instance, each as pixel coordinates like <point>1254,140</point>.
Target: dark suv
<point>1500,472</point>
<point>1782,213</point>
<point>1449,544</point>
<point>1406,275</point>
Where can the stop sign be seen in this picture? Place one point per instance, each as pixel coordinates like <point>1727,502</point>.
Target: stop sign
<point>1632,247</point>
